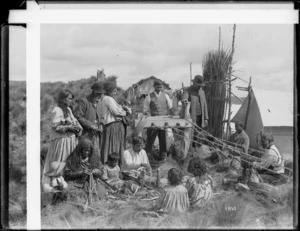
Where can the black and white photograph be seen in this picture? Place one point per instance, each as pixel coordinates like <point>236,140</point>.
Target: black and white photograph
<point>155,125</point>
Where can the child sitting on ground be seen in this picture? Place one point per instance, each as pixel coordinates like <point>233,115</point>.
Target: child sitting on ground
<point>57,182</point>
<point>174,196</point>
<point>57,185</point>
<point>113,176</point>
<point>200,186</point>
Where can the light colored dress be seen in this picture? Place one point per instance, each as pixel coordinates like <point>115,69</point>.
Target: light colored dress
<point>112,176</point>
<point>62,143</point>
<point>199,190</point>
<point>173,198</point>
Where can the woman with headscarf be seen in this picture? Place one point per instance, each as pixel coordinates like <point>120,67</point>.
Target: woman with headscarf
<point>63,133</point>
<point>112,118</point>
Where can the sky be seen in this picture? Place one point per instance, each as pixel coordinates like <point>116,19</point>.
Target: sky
<point>133,52</point>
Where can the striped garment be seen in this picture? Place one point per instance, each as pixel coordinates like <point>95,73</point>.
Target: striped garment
<point>199,190</point>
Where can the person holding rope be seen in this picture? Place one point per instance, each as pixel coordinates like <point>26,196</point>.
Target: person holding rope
<point>83,171</point>
<point>271,160</point>
<point>88,114</point>
<point>158,103</point>
<point>198,109</point>
<point>241,142</point>
<point>135,161</point>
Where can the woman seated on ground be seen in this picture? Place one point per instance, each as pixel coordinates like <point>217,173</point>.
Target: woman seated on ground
<point>200,186</point>
<point>174,197</point>
<point>270,160</point>
<point>83,169</point>
<point>135,160</point>
<point>113,177</point>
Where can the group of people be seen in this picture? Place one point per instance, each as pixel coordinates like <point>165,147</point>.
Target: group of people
<point>87,147</point>
<point>194,192</point>
<point>266,166</point>
<point>90,141</point>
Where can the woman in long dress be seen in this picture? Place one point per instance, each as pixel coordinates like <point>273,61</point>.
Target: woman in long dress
<point>112,117</point>
<point>63,133</point>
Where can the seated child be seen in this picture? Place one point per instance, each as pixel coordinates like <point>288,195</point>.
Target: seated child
<point>200,186</point>
<point>112,174</point>
<point>57,185</point>
<point>57,182</point>
<point>174,196</point>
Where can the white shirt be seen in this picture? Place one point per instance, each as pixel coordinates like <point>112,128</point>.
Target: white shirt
<point>131,158</point>
<point>110,110</point>
<point>148,100</point>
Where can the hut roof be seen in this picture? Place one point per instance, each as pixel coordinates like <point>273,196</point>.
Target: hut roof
<point>145,86</point>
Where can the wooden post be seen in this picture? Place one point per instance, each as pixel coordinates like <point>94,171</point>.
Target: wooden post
<point>228,130</point>
<point>249,103</point>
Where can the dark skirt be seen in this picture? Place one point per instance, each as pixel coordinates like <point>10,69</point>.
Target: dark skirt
<point>113,140</point>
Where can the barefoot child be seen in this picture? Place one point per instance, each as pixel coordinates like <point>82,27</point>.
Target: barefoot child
<point>112,174</point>
<point>200,186</point>
<point>57,185</point>
<point>57,182</point>
<point>174,196</point>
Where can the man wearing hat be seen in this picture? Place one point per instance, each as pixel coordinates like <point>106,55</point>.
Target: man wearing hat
<point>198,109</point>
<point>158,103</point>
<point>88,114</point>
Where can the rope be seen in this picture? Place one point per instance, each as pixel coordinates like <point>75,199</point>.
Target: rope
<point>246,154</point>
<point>225,145</point>
<point>215,138</point>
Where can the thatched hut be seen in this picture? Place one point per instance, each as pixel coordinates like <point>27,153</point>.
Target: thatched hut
<point>137,92</point>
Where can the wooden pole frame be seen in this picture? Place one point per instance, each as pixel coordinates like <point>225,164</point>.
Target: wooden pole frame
<point>228,129</point>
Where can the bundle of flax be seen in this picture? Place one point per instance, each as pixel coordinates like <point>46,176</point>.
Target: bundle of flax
<point>215,67</point>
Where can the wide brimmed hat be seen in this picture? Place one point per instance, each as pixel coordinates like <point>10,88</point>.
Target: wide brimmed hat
<point>199,80</point>
<point>55,168</point>
<point>98,88</point>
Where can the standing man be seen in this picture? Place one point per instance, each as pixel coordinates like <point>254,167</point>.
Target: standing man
<point>88,114</point>
<point>157,103</point>
<point>198,109</point>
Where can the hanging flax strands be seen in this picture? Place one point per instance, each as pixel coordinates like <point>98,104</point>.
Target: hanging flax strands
<point>215,67</point>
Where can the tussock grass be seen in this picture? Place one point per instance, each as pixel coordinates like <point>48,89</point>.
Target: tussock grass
<point>17,205</point>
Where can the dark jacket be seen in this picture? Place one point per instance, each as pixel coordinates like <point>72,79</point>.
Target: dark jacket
<point>87,114</point>
<point>192,95</point>
<point>241,140</point>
